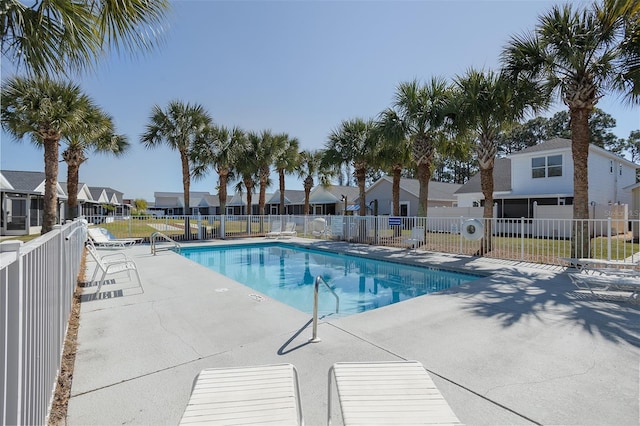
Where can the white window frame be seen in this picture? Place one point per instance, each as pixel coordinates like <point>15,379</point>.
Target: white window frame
<point>546,166</point>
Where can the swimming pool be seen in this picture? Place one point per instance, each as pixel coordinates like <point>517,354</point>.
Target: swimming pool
<point>287,273</point>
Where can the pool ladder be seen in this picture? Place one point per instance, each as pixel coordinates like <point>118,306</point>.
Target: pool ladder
<point>159,235</point>
<point>316,287</point>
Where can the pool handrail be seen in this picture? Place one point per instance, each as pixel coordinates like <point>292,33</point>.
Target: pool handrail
<point>157,235</point>
<point>316,287</point>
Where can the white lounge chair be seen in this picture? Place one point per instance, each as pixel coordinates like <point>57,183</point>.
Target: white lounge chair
<point>112,264</point>
<point>101,238</point>
<point>275,230</point>
<point>289,230</point>
<point>388,393</point>
<point>609,281</point>
<point>267,394</point>
<point>417,237</point>
<point>587,264</point>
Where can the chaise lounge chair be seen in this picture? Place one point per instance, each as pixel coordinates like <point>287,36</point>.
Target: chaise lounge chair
<point>100,237</point>
<point>111,264</point>
<point>289,230</point>
<point>275,230</point>
<point>388,393</point>
<point>623,281</point>
<point>245,395</point>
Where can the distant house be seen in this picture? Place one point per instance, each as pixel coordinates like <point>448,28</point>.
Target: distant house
<point>172,203</point>
<point>293,202</point>
<point>333,199</point>
<point>21,196</point>
<point>238,204</point>
<point>441,194</point>
<point>543,175</point>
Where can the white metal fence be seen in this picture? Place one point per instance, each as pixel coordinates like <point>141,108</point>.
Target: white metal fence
<point>532,240</point>
<point>37,282</point>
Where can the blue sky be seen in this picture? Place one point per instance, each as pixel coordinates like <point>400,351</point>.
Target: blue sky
<point>299,67</point>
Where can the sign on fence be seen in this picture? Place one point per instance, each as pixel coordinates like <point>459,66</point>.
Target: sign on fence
<point>395,221</point>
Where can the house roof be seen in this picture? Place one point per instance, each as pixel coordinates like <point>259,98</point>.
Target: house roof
<point>84,194</point>
<point>333,194</point>
<point>438,191</point>
<point>560,143</point>
<point>501,178</point>
<point>240,199</point>
<point>27,182</point>
<point>291,196</point>
<point>551,144</point>
<point>23,181</point>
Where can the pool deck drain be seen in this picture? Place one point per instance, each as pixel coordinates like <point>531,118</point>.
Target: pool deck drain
<point>515,347</point>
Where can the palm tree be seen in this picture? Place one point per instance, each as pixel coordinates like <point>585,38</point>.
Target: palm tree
<point>46,110</point>
<point>395,151</point>
<point>310,166</point>
<point>487,103</point>
<point>263,150</point>
<point>580,55</point>
<point>98,135</point>
<point>419,111</point>
<point>286,160</point>
<point>220,149</point>
<point>357,143</point>
<point>61,36</point>
<point>179,126</point>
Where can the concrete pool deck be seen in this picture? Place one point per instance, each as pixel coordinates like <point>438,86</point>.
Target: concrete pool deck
<point>519,346</point>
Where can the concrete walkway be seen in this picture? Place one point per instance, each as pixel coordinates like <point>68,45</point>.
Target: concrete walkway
<point>520,346</point>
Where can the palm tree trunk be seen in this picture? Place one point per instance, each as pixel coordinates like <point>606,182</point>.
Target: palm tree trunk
<point>72,189</point>
<point>223,175</point>
<point>74,157</point>
<point>580,152</point>
<point>249,187</point>
<point>264,177</point>
<point>486,182</point>
<point>423,151</point>
<point>308,184</point>
<point>361,176</point>
<point>50,184</point>
<point>186,183</point>
<point>424,175</point>
<point>281,179</point>
<point>395,189</point>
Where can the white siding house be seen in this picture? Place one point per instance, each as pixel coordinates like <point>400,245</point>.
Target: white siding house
<point>543,174</point>
<point>441,194</point>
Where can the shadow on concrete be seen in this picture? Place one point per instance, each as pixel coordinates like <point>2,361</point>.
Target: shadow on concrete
<point>518,296</point>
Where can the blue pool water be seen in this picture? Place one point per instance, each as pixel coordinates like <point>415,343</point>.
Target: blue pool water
<point>287,273</point>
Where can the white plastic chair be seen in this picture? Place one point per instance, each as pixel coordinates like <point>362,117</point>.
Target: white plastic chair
<point>112,264</point>
<point>417,237</point>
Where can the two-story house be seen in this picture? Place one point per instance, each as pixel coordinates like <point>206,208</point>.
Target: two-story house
<point>543,175</point>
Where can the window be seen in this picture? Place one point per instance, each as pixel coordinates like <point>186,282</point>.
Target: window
<point>549,166</point>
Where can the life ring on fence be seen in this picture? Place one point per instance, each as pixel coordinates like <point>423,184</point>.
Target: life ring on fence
<point>472,229</point>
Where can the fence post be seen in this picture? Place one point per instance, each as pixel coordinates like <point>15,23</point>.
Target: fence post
<point>460,234</point>
<point>199,222</point>
<point>609,238</point>
<point>522,238</point>
<point>13,346</point>
<point>222,219</point>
